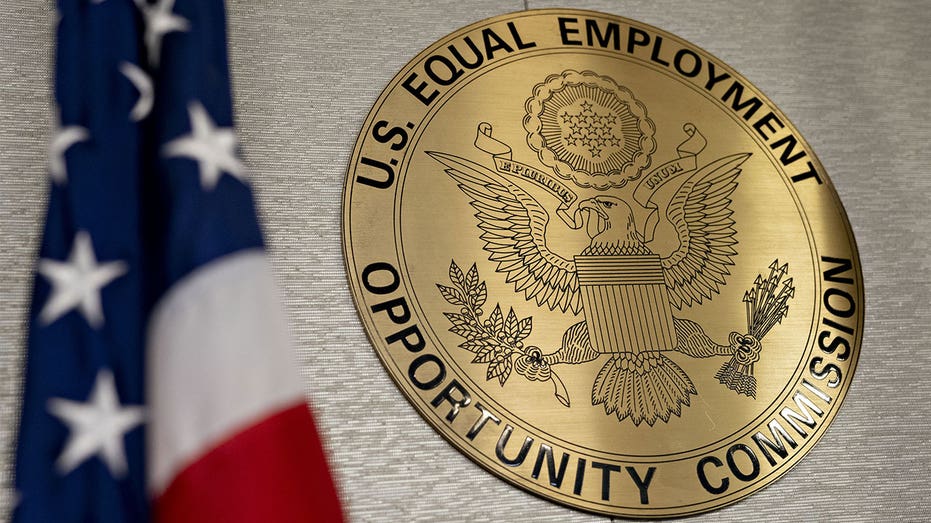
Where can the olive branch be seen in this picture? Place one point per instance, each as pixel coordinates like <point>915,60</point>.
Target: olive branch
<point>498,339</point>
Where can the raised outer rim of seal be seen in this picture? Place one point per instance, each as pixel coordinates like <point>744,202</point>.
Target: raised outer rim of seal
<point>429,416</point>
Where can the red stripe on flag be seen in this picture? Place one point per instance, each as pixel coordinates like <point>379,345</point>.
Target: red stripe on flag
<point>273,471</point>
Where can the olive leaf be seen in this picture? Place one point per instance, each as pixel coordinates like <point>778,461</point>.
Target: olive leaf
<point>453,296</point>
<point>500,368</point>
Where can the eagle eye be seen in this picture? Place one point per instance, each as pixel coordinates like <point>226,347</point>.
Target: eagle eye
<point>608,204</point>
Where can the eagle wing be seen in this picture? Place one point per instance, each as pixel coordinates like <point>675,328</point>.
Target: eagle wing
<point>513,226</point>
<point>701,213</point>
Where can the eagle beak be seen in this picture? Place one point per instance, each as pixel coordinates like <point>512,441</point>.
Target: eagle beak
<point>597,218</point>
<point>592,205</point>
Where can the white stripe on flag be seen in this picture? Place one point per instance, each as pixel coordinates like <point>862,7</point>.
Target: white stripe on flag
<point>219,360</point>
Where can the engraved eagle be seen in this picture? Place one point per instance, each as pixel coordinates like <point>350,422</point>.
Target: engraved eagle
<point>638,381</point>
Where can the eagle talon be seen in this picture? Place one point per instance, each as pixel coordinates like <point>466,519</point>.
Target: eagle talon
<point>746,348</point>
<point>532,366</point>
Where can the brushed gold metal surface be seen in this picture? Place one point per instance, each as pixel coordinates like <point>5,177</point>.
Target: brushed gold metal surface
<point>602,264</point>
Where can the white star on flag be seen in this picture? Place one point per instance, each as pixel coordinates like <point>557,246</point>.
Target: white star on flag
<point>213,147</point>
<point>64,138</point>
<point>97,426</point>
<point>76,283</point>
<point>159,21</point>
<point>143,83</point>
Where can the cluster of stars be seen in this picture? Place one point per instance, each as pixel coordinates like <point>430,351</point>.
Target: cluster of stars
<point>590,130</point>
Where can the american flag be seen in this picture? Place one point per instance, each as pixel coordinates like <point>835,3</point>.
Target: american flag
<point>160,380</point>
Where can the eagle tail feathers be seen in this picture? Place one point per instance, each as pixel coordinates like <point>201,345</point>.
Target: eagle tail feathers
<point>644,387</point>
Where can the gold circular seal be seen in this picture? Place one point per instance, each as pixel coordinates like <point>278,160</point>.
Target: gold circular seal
<point>602,264</point>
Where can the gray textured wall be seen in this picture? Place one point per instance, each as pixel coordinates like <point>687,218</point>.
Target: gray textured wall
<point>853,77</point>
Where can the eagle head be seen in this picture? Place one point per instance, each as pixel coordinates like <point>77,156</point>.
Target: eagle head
<point>611,227</point>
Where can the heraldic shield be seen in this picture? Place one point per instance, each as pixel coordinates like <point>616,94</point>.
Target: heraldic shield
<point>627,292</point>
